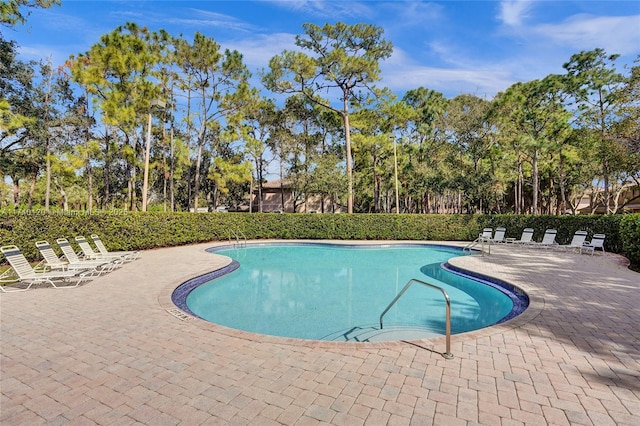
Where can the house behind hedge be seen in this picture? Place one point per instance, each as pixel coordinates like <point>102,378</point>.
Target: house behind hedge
<point>282,196</point>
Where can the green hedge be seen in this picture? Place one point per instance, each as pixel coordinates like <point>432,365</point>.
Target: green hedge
<point>140,231</point>
<point>630,236</point>
<point>565,225</point>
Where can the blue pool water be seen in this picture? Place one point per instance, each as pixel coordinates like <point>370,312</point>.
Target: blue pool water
<point>335,292</point>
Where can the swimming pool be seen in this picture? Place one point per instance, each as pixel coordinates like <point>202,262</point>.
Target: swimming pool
<point>337,292</point>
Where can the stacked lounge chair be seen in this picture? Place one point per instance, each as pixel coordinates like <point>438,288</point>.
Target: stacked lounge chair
<point>129,255</point>
<point>89,253</point>
<point>21,271</point>
<point>52,260</point>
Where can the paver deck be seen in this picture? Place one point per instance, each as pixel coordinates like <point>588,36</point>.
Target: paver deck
<point>114,352</point>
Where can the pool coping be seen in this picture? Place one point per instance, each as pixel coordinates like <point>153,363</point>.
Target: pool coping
<point>536,304</point>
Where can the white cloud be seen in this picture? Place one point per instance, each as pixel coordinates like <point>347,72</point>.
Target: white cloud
<point>259,49</point>
<point>401,73</point>
<point>39,52</point>
<point>451,82</point>
<point>207,19</point>
<point>615,34</point>
<point>514,12</point>
<point>338,10</point>
<point>448,54</point>
<point>45,52</point>
<point>414,13</point>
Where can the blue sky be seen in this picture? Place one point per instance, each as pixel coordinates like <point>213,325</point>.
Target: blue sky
<point>455,47</point>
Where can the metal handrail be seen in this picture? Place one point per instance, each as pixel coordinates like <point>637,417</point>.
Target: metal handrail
<point>238,243</point>
<point>447,354</point>
<point>482,240</point>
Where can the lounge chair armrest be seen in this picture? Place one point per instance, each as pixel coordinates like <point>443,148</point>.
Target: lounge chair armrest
<point>41,267</point>
<point>9,276</point>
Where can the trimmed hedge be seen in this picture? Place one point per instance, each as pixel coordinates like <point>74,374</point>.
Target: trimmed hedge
<point>565,225</point>
<point>140,231</point>
<point>630,235</point>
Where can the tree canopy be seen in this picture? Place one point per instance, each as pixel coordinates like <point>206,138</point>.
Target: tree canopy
<point>318,121</point>
<point>13,12</point>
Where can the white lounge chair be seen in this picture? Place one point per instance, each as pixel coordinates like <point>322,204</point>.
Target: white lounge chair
<point>597,242</point>
<point>526,237</point>
<point>133,255</point>
<point>72,256</point>
<point>498,237</point>
<point>548,240</point>
<point>52,260</point>
<point>487,235</point>
<point>576,242</point>
<point>89,253</point>
<point>24,272</point>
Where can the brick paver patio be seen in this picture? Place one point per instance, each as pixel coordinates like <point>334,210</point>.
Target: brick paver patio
<point>114,352</point>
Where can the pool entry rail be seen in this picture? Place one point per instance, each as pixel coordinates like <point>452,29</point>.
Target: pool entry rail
<point>238,236</point>
<point>447,354</point>
<point>479,241</point>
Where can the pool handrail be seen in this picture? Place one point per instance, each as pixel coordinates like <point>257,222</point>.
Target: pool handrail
<point>240,239</point>
<point>447,354</point>
<point>482,240</point>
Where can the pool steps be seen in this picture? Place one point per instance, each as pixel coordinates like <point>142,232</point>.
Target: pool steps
<point>373,333</point>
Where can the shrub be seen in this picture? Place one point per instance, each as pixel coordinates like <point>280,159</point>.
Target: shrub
<point>565,225</point>
<point>630,236</point>
<point>139,231</point>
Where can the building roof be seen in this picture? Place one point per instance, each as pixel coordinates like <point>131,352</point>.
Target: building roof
<point>277,184</point>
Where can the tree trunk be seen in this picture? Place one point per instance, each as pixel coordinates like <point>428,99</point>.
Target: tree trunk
<point>131,171</point>
<point>376,184</point>
<point>347,138</point>
<point>281,188</point>
<point>16,191</point>
<point>201,136</point>
<point>535,179</point>
<point>165,174</point>
<point>196,183</point>
<point>89,172</point>
<point>605,161</point>
<point>551,190</point>
<point>259,179</point>
<point>63,195</point>
<point>251,198</point>
<point>32,189</point>
<point>134,178</point>
<point>165,185</point>
<point>47,141</point>
<point>563,194</point>
<point>518,194</point>
<point>172,164</point>
<point>616,199</point>
<point>47,191</point>
<point>189,188</point>
<point>107,168</point>
<point>607,193</point>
